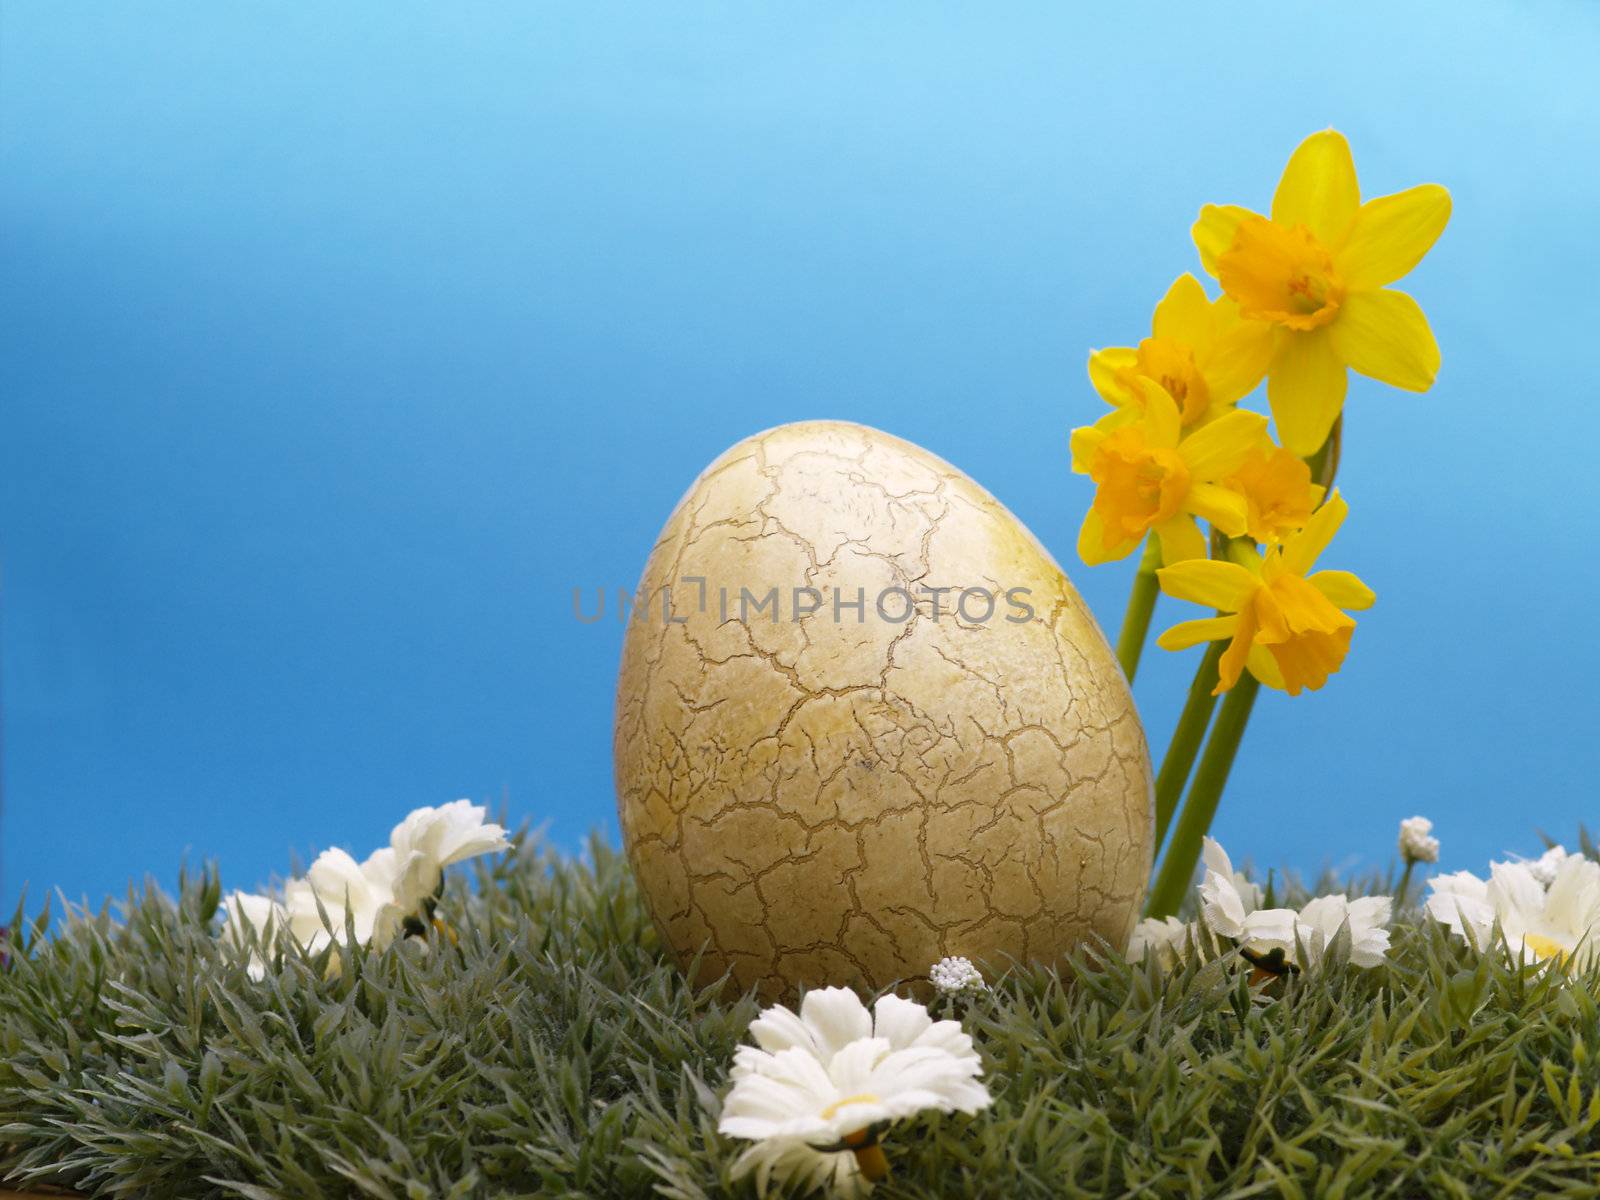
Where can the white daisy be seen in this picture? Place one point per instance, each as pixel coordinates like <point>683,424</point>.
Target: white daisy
<point>1368,919</point>
<point>1165,937</point>
<point>360,894</point>
<point>1560,921</point>
<point>1231,905</point>
<point>431,839</point>
<point>1276,938</point>
<point>816,1090</point>
<point>1416,843</point>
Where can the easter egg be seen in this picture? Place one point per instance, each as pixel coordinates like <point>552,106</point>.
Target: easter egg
<point>865,722</point>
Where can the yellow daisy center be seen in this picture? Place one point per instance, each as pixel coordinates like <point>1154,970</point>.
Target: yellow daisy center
<point>1140,485</point>
<point>860,1098</point>
<point>1545,947</point>
<point>1280,273</point>
<point>1171,364</point>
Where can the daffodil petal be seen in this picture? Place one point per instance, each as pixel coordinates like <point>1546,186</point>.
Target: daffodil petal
<point>1163,423</point>
<point>1216,450</point>
<point>1191,633</point>
<point>1318,188</point>
<point>1105,367</point>
<point>1305,388</point>
<point>1264,667</point>
<point>1237,360</point>
<point>1222,506</point>
<point>1184,313</point>
<point>1181,539</point>
<point>1213,232</point>
<point>1390,235</point>
<point>1301,551</point>
<point>1085,440</point>
<point>1231,665</point>
<point>1092,546</point>
<point>1223,585</point>
<point>1384,335</point>
<point>1344,589</point>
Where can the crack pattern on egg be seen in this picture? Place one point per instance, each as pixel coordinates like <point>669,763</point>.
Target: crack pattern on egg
<point>836,760</point>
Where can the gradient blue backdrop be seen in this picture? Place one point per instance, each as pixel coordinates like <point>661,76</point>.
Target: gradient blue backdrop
<point>340,342</point>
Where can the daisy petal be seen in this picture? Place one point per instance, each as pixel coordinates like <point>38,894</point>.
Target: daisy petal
<point>836,1017</point>
<point>900,1022</point>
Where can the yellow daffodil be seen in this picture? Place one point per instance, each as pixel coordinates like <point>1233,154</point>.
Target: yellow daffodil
<point>1316,271</point>
<point>1279,496</point>
<point>1153,476</point>
<point>1201,351</point>
<point>1287,626</point>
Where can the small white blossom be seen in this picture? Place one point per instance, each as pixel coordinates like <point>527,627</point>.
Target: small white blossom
<point>955,976</point>
<point>816,1087</point>
<point>1416,842</point>
<point>431,839</point>
<point>1544,867</point>
<point>1559,920</point>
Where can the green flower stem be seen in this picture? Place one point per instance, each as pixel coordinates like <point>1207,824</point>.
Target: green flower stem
<point>1177,869</point>
<point>1186,738</point>
<point>1141,604</point>
<point>1405,884</point>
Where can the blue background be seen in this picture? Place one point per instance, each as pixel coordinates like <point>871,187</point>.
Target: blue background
<point>341,342</point>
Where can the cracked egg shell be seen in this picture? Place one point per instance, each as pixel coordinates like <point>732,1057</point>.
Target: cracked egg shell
<point>817,793</point>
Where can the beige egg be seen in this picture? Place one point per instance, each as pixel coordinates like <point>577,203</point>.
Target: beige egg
<point>828,770</point>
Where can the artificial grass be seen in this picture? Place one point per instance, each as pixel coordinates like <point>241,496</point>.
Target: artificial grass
<point>553,1050</point>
